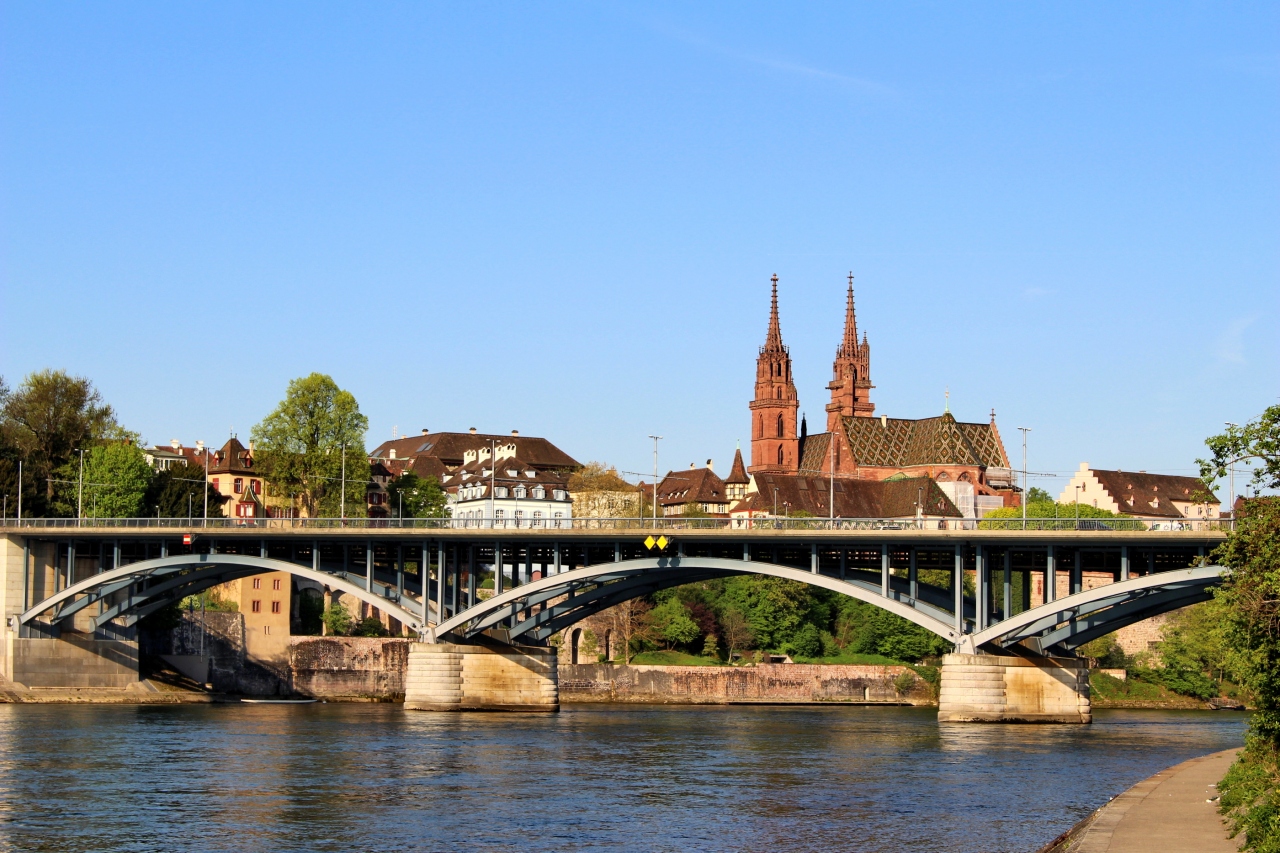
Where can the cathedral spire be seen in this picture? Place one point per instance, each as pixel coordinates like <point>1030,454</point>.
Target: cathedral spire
<point>849,344</point>
<point>773,340</point>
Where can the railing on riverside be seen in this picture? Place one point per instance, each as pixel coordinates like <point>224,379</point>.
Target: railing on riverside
<point>552,526</point>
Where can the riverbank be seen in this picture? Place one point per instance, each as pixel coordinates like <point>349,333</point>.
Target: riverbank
<point>1173,811</point>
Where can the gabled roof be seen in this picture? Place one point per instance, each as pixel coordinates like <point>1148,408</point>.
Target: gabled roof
<point>1146,489</point>
<point>233,458</point>
<point>696,485</point>
<point>738,473</point>
<point>450,447</point>
<point>815,454</point>
<point>853,498</point>
<point>903,443</point>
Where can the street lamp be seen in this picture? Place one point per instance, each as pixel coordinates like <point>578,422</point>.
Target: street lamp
<point>80,492</point>
<point>205,453</point>
<point>1024,431</point>
<point>656,439</point>
<point>1231,474</point>
<point>1077,507</point>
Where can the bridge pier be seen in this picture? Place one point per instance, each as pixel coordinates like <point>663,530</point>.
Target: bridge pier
<point>455,677</point>
<point>991,689</point>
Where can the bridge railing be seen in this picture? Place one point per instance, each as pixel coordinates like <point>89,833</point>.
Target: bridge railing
<point>673,523</point>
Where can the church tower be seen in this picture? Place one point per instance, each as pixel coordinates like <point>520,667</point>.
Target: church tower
<point>851,381</point>
<point>775,446</point>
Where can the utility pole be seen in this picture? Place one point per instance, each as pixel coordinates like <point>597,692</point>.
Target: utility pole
<point>1231,474</point>
<point>493,484</point>
<point>20,496</point>
<point>832,454</point>
<point>656,439</point>
<point>205,452</point>
<point>1024,431</point>
<point>80,492</point>
<point>342,499</point>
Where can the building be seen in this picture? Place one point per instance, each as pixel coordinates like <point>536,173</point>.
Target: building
<point>697,488</point>
<point>1154,496</point>
<point>782,495</point>
<point>232,475</point>
<point>859,445</point>
<point>162,458</point>
<point>502,490</point>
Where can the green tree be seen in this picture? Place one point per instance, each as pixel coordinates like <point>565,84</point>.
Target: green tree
<point>337,619</point>
<point>737,631</point>
<point>180,490</point>
<point>303,442</point>
<point>49,417</point>
<point>1069,512</point>
<point>417,497</point>
<point>863,628</point>
<point>774,607</point>
<point>673,624</point>
<point>116,480</point>
<point>1257,441</point>
<point>1037,495</point>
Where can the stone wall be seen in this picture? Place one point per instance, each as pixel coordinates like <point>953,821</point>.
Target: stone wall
<point>220,636</point>
<point>760,683</point>
<point>349,668</point>
<point>991,689</point>
<point>448,677</point>
<point>74,662</point>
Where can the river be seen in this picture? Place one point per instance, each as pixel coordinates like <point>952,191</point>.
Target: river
<point>593,777</point>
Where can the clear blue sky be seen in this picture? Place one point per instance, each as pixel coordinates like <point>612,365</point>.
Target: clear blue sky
<point>562,218</point>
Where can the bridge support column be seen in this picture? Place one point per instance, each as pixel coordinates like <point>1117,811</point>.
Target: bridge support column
<point>448,677</point>
<point>991,689</point>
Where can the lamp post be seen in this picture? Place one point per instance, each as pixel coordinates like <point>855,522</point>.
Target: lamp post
<point>205,454</point>
<point>19,492</point>
<point>342,499</point>
<point>1024,431</point>
<point>1231,475</point>
<point>80,491</point>
<point>656,439</point>
<point>1077,507</point>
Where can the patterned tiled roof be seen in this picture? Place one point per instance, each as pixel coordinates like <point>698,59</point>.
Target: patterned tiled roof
<point>902,443</point>
<point>815,453</point>
<point>853,498</point>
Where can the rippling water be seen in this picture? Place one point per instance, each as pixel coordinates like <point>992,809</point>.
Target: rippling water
<point>373,777</point>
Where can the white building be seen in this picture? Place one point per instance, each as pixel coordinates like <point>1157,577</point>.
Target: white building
<point>1161,497</point>
<point>510,493</point>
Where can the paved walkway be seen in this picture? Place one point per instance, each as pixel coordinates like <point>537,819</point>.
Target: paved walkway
<point>1166,813</point>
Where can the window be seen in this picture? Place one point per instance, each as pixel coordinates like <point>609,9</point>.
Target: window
<point>779,454</point>
<point>275,607</point>
<point>558,494</point>
<point>498,514</point>
<point>266,629</point>
<point>540,493</point>
<point>779,426</point>
<point>275,583</point>
<point>522,492</point>
<point>255,606</point>
<point>500,492</point>
<point>215,484</point>
<point>237,485</point>
<point>257,486</point>
<point>257,583</point>
<point>537,519</point>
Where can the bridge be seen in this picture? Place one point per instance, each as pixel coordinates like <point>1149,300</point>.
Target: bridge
<point>968,584</point>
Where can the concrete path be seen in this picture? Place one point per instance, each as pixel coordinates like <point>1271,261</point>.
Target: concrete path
<point>1166,813</point>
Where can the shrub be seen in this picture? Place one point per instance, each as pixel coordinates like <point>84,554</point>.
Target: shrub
<point>337,619</point>
<point>370,626</point>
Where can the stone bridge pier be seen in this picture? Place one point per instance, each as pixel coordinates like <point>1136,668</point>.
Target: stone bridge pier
<point>457,677</point>
<point>997,689</point>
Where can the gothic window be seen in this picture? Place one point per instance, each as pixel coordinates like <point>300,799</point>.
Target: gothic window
<point>779,454</point>
<point>779,426</point>
<point>777,393</point>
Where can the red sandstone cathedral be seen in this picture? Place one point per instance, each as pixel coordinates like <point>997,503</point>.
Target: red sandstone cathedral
<point>882,467</point>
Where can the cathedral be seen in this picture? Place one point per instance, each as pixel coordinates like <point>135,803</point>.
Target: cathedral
<point>966,460</point>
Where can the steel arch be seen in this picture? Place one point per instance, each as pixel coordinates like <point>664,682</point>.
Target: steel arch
<point>180,576</point>
<point>1072,621</point>
<point>666,571</point>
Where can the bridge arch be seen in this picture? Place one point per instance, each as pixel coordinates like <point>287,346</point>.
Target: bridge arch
<point>150,585</point>
<point>569,597</point>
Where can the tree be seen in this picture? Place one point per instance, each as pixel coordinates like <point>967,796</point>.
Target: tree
<point>1035,494</point>
<point>1258,440</point>
<point>863,628</point>
<point>417,497</point>
<point>1010,517</point>
<point>337,619</point>
<point>302,444</point>
<point>672,623</point>
<point>774,607</point>
<point>600,492</point>
<point>629,621</point>
<point>116,480</point>
<point>52,415</point>
<point>738,635</point>
<point>179,492</point>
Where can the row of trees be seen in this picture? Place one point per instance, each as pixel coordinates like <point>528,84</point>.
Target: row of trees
<point>76,457</point>
<point>720,617</point>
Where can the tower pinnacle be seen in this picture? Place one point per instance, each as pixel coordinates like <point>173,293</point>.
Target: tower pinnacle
<point>773,339</point>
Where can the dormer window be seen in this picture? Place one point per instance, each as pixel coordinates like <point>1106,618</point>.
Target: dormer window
<point>540,493</point>
<point>558,494</point>
<point>512,472</point>
<point>500,492</point>
<point>521,492</point>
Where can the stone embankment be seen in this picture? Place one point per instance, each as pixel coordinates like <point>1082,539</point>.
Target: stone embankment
<point>758,683</point>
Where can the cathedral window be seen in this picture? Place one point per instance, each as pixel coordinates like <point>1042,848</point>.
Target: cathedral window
<point>779,428</point>
<point>779,455</point>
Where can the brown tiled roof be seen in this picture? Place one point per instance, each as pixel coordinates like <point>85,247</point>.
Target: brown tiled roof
<point>903,443</point>
<point>738,473</point>
<point>474,474</point>
<point>1144,489</point>
<point>429,466</point>
<point>233,458</point>
<point>449,448</point>
<point>695,485</point>
<point>853,498</point>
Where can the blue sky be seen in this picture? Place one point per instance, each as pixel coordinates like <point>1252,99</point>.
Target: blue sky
<point>562,218</point>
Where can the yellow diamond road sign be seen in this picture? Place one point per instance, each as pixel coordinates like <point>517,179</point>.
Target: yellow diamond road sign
<point>649,543</point>
<point>662,542</point>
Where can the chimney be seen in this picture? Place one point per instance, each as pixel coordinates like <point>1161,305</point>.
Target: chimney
<point>515,433</point>
<point>884,421</point>
<point>425,431</point>
<point>473,430</point>
<point>175,444</point>
<point>710,465</point>
<point>199,447</point>
<point>692,466</point>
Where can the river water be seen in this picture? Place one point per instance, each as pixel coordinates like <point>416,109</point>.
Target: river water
<point>594,777</point>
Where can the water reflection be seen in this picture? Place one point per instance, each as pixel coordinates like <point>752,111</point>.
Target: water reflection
<point>352,777</point>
